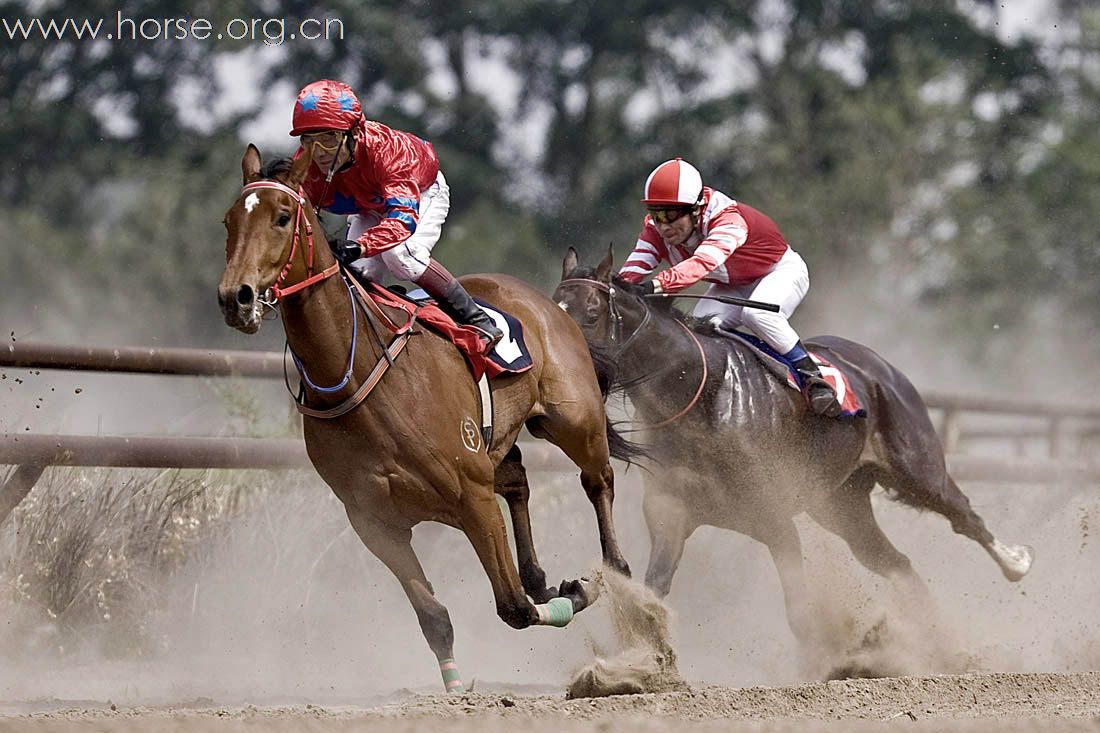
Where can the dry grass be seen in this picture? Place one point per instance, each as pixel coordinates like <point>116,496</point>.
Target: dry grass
<point>86,556</point>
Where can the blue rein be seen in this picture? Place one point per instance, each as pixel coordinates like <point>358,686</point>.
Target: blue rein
<point>351,357</point>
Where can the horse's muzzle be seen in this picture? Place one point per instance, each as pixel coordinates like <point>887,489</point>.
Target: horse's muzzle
<point>240,307</point>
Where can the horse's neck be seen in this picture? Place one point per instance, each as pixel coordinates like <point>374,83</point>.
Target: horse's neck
<point>668,351</point>
<point>318,322</point>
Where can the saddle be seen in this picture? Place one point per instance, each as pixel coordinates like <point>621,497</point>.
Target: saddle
<point>509,356</point>
<point>786,372</point>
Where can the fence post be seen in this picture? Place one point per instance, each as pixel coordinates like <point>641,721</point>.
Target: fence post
<point>1058,437</point>
<point>18,485</point>
<point>952,430</point>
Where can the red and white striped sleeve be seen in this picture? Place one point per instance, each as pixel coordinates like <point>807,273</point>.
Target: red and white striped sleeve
<point>727,231</point>
<point>647,254</point>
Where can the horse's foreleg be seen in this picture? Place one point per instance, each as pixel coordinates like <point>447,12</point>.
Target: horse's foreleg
<point>511,483</point>
<point>600,488</point>
<point>393,546</point>
<point>786,550</point>
<point>669,527</point>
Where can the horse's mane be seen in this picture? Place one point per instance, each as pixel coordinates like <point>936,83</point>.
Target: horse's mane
<point>606,361</point>
<point>276,168</point>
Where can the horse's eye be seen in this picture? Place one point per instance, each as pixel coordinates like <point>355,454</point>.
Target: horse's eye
<point>284,219</point>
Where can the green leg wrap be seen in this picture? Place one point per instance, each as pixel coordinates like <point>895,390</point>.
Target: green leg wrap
<point>555,612</point>
<point>451,679</point>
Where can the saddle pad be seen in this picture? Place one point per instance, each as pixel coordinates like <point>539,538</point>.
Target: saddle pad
<point>510,356</point>
<point>784,370</point>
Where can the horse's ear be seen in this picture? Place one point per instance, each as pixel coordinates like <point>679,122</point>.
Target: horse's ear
<point>569,263</point>
<point>250,164</point>
<point>603,270</point>
<point>299,168</point>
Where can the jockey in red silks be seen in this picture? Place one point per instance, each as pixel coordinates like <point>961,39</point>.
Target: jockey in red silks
<point>390,185</point>
<point>740,251</point>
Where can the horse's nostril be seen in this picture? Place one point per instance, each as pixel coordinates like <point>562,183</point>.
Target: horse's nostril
<point>245,295</point>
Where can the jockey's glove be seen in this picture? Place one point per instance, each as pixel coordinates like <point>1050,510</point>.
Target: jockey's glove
<point>649,287</point>
<point>347,251</point>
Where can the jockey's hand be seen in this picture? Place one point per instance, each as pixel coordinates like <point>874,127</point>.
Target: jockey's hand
<point>649,287</point>
<point>347,251</point>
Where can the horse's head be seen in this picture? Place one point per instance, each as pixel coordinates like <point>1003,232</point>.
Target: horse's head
<point>269,241</point>
<point>608,315</point>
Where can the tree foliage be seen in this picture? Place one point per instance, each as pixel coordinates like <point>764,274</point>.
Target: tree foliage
<point>905,142</point>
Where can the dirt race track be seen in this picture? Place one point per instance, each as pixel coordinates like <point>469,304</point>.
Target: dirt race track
<point>980,702</point>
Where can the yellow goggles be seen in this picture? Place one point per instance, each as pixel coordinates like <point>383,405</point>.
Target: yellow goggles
<point>329,141</point>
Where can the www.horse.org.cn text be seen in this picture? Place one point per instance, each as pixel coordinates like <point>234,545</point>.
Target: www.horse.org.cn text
<point>270,31</point>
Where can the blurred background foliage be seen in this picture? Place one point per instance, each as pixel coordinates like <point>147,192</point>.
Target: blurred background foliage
<point>936,172</point>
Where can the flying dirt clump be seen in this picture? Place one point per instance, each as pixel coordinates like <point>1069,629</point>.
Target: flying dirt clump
<point>647,662</point>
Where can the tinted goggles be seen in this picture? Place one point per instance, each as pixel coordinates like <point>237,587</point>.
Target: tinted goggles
<point>668,216</point>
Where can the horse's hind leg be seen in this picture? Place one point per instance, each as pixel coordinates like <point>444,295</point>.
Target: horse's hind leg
<point>483,525</point>
<point>945,497</point>
<point>848,514</point>
<point>918,473</point>
<point>511,483</point>
<point>572,430</point>
<point>393,546</point>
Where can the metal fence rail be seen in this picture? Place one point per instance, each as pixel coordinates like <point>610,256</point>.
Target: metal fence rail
<point>284,453</point>
<point>32,453</point>
<point>143,360</point>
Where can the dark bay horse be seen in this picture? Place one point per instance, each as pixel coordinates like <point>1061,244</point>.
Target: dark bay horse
<point>410,452</point>
<point>747,455</point>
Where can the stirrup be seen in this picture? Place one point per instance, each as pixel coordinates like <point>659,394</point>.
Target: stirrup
<point>821,398</point>
<point>491,338</point>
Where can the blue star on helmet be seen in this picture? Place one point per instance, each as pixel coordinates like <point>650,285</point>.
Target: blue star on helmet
<point>308,102</point>
<point>347,104</point>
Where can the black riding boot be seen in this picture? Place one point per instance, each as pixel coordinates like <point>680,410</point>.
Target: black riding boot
<point>819,393</point>
<point>453,299</point>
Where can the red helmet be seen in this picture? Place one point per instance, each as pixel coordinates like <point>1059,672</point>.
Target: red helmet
<point>326,105</point>
<point>673,183</point>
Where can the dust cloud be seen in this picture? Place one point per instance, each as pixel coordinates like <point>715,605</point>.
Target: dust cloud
<point>645,660</point>
<point>271,598</point>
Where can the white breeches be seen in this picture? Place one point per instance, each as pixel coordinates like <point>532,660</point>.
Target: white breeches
<point>785,285</point>
<point>408,260</point>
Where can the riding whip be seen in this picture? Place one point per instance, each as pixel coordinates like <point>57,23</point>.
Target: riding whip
<point>727,299</point>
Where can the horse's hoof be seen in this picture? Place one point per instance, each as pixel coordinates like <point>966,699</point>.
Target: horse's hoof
<point>583,593</point>
<point>1015,560</point>
<point>619,565</point>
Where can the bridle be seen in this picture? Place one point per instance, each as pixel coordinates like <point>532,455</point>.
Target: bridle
<point>277,291</point>
<point>616,335</point>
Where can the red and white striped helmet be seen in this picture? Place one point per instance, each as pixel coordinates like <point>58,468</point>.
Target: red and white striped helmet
<point>673,183</point>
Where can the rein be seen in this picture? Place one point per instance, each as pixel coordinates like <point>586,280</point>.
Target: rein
<point>617,334</point>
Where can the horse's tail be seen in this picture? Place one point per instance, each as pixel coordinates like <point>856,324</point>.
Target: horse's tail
<point>621,448</point>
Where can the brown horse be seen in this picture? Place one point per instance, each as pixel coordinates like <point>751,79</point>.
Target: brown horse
<point>748,455</point>
<point>407,453</point>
